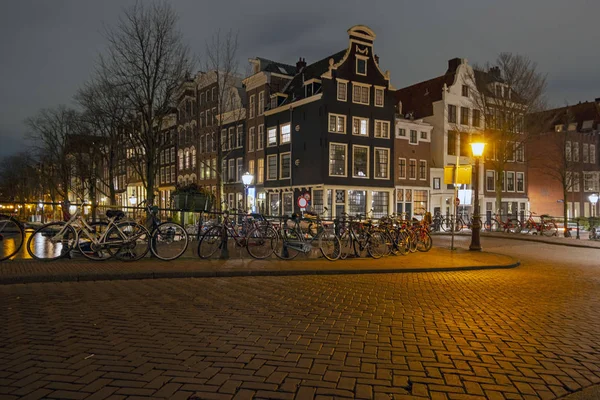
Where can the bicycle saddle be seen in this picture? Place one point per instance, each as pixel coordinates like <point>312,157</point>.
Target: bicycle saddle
<point>116,214</point>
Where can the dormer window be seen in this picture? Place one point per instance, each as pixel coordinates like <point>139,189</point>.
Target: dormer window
<point>361,65</point>
<point>311,87</point>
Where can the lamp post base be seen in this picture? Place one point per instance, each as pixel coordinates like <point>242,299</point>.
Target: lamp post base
<point>475,237</point>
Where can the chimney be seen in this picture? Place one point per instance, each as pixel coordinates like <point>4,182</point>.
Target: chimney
<point>300,65</point>
<point>376,59</point>
<point>597,100</point>
<point>453,64</point>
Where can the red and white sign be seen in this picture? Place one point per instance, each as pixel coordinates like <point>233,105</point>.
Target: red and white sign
<point>302,202</point>
<point>307,196</point>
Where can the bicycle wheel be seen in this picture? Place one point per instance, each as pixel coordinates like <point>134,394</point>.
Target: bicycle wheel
<point>169,241</point>
<point>346,247</point>
<point>514,226</point>
<point>446,224</point>
<point>377,245</point>
<point>51,241</point>
<point>330,245</point>
<point>287,236</point>
<point>129,241</point>
<point>89,244</point>
<point>495,226</point>
<point>210,242</point>
<point>261,242</point>
<point>399,244</point>
<point>424,241</point>
<point>11,237</point>
<point>459,225</point>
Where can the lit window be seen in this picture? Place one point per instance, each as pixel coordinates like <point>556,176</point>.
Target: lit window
<point>285,133</point>
<point>360,126</point>
<point>272,137</point>
<point>360,94</point>
<point>337,123</point>
<point>260,175</point>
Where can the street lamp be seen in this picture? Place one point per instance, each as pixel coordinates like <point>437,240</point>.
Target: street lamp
<point>594,200</point>
<point>132,199</point>
<point>477,148</point>
<point>247,179</point>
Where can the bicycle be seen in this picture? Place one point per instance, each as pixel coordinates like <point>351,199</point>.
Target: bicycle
<point>544,227</point>
<point>294,240</point>
<point>12,236</point>
<point>360,236</point>
<point>496,224</point>
<point>168,240</point>
<point>256,234</point>
<point>98,241</point>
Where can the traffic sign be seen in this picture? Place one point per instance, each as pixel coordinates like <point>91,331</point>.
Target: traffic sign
<point>302,202</point>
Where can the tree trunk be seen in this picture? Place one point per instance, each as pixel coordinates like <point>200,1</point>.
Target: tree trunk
<point>565,208</point>
<point>498,191</point>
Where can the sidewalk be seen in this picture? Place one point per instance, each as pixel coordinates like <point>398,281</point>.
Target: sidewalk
<point>438,259</point>
<point>555,240</point>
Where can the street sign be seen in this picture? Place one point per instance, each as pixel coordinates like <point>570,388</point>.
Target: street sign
<point>302,202</point>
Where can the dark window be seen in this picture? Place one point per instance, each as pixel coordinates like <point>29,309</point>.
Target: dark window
<point>451,113</point>
<point>413,136</point>
<point>464,116</point>
<point>451,143</point>
<point>465,90</point>
<point>402,168</point>
<point>490,183</point>
<point>520,185</point>
<point>476,118</point>
<point>361,66</point>
<point>465,146</point>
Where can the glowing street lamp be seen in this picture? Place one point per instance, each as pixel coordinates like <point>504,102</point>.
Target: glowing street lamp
<point>594,200</point>
<point>132,199</point>
<point>247,179</point>
<point>477,148</point>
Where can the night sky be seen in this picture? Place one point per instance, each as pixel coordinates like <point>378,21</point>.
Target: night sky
<point>48,48</point>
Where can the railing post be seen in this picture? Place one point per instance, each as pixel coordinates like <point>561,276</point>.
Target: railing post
<point>577,237</point>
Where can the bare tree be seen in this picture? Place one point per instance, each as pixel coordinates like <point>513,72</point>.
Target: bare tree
<point>148,60</point>
<point>505,94</point>
<point>19,180</point>
<point>50,134</point>
<point>105,113</point>
<point>222,68</point>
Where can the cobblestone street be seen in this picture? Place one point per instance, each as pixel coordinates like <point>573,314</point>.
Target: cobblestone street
<point>529,332</point>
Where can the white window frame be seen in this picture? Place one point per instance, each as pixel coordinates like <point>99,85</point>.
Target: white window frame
<point>384,134</point>
<point>354,175</point>
<point>366,60</point>
<point>398,135</point>
<point>260,175</point>
<point>260,143</point>
<point>281,155</point>
<point>238,173</point>
<point>231,167</point>
<point>251,137</point>
<point>251,107</point>
<point>261,103</point>
<point>516,182</point>
<point>419,170</point>
<point>276,167</point>
<point>269,130</point>
<point>281,141</point>
<point>337,116</point>
<point>345,83</point>
<point>345,145</point>
<point>400,176</point>
<point>382,90</point>
<point>416,169</point>
<point>387,150</point>
<point>514,177</point>
<point>416,142</point>
<point>362,86</point>
<point>360,119</point>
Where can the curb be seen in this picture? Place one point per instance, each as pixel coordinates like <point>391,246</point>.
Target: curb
<point>233,274</point>
<point>523,238</point>
<point>590,392</point>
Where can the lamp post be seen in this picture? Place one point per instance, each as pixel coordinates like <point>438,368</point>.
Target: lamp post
<point>477,148</point>
<point>133,202</point>
<point>594,200</point>
<point>247,179</point>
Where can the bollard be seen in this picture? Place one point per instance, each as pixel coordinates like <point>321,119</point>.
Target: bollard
<point>577,237</point>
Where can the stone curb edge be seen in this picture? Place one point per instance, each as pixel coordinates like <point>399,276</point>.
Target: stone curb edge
<point>526,239</point>
<point>590,392</point>
<point>231,274</point>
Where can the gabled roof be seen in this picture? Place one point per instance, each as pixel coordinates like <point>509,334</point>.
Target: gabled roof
<point>577,113</point>
<point>276,67</point>
<point>418,99</point>
<point>295,88</point>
